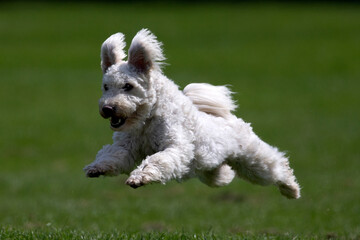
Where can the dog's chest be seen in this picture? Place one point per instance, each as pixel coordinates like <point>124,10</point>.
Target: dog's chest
<point>147,144</point>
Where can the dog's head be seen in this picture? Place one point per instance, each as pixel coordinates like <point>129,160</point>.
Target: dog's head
<point>128,96</point>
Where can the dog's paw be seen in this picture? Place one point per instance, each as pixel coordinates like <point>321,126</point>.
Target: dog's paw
<point>291,191</point>
<point>93,171</point>
<point>138,180</point>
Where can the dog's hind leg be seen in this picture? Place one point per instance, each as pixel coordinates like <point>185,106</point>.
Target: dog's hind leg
<point>218,177</point>
<point>263,164</point>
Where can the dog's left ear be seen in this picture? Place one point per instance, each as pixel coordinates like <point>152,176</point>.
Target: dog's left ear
<point>145,52</point>
<point>112,51</point>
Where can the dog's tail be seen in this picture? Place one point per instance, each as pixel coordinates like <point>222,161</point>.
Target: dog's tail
<point>214,100</point>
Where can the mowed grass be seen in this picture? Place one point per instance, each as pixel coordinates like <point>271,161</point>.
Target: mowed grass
<point>296,71</point>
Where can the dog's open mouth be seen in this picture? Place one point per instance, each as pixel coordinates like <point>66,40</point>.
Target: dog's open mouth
<point>116,122</point>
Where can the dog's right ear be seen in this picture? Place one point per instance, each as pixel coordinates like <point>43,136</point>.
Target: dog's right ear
<point>112,51</point>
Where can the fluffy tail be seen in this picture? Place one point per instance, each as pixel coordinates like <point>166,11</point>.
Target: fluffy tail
<point>214,100</point>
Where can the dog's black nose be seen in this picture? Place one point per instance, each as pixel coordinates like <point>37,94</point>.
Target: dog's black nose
<point>107,111</point>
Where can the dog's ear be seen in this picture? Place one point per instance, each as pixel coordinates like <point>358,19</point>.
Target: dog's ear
<point>112,51</point>
<point>145,52</point>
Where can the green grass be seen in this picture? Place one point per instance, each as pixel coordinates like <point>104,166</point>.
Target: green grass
<point>296,72</point>
<point>112,235</point>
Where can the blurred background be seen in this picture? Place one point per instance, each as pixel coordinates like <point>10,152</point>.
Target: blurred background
<point>294,66</point>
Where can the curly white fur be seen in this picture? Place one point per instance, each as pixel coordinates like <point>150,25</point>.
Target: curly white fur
<point>162,133</point>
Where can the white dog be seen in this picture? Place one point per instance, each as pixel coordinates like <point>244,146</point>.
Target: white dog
<point>162,133</point>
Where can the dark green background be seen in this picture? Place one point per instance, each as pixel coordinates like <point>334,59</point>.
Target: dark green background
<point>295,68</point>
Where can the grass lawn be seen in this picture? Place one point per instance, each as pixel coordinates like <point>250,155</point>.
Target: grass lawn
<point>296,71</point>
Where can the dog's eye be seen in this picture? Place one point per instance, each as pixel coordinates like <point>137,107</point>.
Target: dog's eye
<point>127,87</point>
<point>106,87</point>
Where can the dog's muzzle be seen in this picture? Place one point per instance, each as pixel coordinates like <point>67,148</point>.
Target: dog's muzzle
<point>108,111</point>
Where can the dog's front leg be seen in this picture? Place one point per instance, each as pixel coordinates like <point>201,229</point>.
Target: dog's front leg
<point>172,163</point>
<point>111,160</point>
